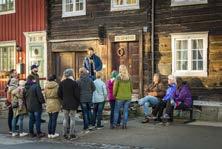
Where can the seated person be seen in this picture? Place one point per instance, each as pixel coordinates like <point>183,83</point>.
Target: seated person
<point>181,99</point>
<point>155,91</point>
<point>169,93</point>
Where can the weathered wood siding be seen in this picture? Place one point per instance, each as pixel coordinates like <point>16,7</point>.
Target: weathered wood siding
<point>194,18</point>
<point>97,13</point>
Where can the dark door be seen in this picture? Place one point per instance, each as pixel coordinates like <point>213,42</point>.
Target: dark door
<point>127,53</point>
<point>72,60</point>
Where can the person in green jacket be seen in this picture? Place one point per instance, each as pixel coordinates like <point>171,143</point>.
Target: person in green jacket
<point>122,91</point>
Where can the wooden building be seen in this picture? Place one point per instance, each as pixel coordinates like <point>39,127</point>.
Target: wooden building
<point>117,30</point>
<point>182,37</point>
<point>188,43</point>
<point>22,37</point>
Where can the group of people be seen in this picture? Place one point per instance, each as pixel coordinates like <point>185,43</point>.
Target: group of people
<point>176,96</point>
<point>89,92</point>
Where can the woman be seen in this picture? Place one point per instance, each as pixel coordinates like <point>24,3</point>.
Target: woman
<point>181,99</point>
<point>122,91</point>
<point>155,92</point>
<point>111,98</point>
<point>99,96</point>
<point>52,105</point>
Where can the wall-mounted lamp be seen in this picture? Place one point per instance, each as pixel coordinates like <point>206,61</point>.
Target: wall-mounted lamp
<point>19,65</point>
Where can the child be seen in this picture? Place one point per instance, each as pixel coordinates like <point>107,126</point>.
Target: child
<point>19,109</point>
<point>99,96</point>
<point>111,98</point>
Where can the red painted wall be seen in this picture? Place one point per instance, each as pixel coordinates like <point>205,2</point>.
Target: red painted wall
<point>30,16</point>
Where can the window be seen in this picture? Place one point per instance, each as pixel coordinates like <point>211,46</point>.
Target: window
<point>7,6</point>
<point>118,5</point>
<point>189,54</point>
<point>187,2</point>
<point>7,56</point>
<point>73,8</point>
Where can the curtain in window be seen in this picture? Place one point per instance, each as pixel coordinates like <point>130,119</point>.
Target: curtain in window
<point>7,58</point>
<point>181,54</point>
<point>197,54</point>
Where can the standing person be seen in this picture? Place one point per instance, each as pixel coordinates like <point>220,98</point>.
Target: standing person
<point>34,73</point>
<point>53,105</point>
<point>13,75</point>
<point>169,94</point>
<point>111,98</point>
<point>122,91</point>
<point>19,109</point>
<point>155,92</point>
<point>92,63</point>
<point>34,100</point>
<point>87,88</point>
<point>99,96</point>
<point>68,92</point>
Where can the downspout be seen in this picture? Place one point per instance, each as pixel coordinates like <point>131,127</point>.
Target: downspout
<point>152,36</point>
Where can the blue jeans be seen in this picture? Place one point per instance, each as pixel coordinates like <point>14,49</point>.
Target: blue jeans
<point>97,113</point>
<point>146,102</point>
<point>87,114</point>
<point>112,107</point>
<point>52,122</point>
<point>35,118</point>
<point>14,122</point>
<point>121,104</point>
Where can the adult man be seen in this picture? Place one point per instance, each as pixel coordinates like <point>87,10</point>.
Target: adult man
<point>69,93</point>
<point>92,63</point>
<point>34,72</point>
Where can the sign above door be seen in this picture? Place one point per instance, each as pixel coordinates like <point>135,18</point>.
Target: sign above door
<point>125,38</point>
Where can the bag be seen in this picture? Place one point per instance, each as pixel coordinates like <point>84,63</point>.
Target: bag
<point>15,104</point>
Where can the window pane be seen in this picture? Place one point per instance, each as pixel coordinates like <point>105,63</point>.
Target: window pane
<point>194,66</point>
<point>200,54</point>
<point>79,5</point>
<point>7,58</point>
<point>118,2</point>
<point>197,44</point>
<point>69,8</point>
<point>6,5</point>
<point>200,65</point>
<point>131,1</point>
<point>181,44</point>
<point>194,54</point>
<point>184,65</point>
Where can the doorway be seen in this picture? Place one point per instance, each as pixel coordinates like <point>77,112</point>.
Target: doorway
<point>127,53</point>
<point>72,60</point>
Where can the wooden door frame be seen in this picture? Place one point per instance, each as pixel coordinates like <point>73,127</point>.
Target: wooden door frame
<point>139,38</point>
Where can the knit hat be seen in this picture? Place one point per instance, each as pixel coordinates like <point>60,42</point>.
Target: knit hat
<point>68,72</point>
<point>114,74</point>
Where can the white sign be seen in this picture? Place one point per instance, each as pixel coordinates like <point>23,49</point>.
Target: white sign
<point>125,38</point>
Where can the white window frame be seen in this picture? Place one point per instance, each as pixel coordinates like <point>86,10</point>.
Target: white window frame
<point>188,2</point>
<point>124,6</point>
<point>9,43</point>
<point>189,37</point>
<point>74,13</point>
<point>10,11</point>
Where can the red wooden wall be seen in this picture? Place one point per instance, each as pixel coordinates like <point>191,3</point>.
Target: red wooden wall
<point>30,16</point>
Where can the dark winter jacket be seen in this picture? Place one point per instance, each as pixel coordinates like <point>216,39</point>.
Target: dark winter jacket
<point>68,92</point>
<point>87,88</point>
<point>34,97</point>
<point>36,76</point>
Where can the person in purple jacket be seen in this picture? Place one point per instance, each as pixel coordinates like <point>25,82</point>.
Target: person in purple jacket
<point>111,98</point>
<point>181,99</point>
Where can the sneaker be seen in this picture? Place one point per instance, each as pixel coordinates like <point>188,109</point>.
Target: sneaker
<point>23,134</point>
<point>99,127</point>
<point>41,135</point>
<point>43,121</point>
<point>66,137</point>
<point>32,135</point>
<point>91,127</point>
<point>166,116</point>
<point>55,135</point>
<point>124,127</point>
<point>145,120</point>
<point>14,134</point>
<point>73,137</point>
<point>49,136</point>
